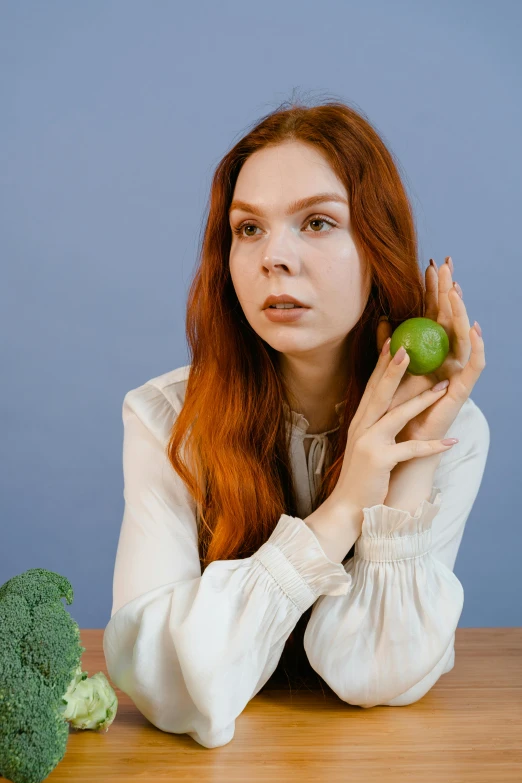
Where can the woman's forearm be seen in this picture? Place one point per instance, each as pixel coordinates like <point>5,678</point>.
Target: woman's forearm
<point>336,527</point>
<point>411,482</point>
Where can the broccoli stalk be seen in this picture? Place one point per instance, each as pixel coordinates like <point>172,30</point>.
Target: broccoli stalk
<point>43,690</point>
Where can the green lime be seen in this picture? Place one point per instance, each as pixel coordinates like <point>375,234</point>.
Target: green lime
<point>425,341</point>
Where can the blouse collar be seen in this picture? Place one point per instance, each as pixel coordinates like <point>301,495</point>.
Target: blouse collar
<point>320,444</point>
<point>299,422</point>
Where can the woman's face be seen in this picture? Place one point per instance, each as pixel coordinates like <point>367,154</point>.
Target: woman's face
<point>309,254</point>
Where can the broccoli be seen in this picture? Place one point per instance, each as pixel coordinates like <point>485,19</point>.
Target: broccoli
<point>42,687</point>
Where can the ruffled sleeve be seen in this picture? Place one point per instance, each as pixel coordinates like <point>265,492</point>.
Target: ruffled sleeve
<point>191,649</point>
<point>390,639</point>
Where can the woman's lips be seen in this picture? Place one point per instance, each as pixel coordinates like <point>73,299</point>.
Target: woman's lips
<point>285,315</point>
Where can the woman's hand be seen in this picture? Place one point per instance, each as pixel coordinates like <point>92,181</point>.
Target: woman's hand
<point>462,366</point>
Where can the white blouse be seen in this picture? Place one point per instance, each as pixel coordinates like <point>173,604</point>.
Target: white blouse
<point>192,649</point>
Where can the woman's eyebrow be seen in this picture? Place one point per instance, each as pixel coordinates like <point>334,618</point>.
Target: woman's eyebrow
<point>296,206</point>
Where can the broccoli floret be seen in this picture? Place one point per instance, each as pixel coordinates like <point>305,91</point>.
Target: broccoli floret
<point>42,687</point>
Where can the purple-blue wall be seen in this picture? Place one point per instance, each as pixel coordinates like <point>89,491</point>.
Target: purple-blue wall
<point>113,117</point>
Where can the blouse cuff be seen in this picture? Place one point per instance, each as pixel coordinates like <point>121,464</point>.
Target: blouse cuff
<point>297,562</point>
<point>393,534</point>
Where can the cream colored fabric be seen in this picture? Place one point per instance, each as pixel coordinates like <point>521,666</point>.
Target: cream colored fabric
<point>191,650</point>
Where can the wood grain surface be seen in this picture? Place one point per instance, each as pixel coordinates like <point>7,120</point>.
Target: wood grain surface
<point>467,729</point>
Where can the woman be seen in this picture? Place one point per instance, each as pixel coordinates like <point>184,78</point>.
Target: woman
<point>259,538</point>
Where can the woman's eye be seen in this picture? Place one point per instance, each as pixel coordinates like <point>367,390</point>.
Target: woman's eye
<point>239,230</point>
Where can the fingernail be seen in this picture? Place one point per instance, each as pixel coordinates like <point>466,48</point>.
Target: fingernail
<point>440,385</point>
<point>449,441</point>
<point>383,318</point>
<point>386,347</point>
<point>399,356</point>
<point>457,288</point>
<point>432,263</point>
<point>449,263</point>
<point>477,327</point>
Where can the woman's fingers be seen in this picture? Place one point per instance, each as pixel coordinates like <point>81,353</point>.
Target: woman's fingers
<point>393,422</point>
<point>432,288</point>
<point>461,343</point>
<point>373,382</point>
<point>445,314</point>
<point>384,387</point>
<point>413,449</point>
<point>411,388</point>
<point>469,375</point>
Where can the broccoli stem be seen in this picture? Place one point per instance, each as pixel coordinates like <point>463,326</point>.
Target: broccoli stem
<point>89,702</point>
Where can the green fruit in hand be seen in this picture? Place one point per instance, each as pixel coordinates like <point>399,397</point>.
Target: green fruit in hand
<point>425,341</point>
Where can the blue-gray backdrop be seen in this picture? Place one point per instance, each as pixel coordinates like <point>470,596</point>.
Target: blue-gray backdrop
<point>114,115</point>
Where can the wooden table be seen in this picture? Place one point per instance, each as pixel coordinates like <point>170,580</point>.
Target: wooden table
<point>467,728</point>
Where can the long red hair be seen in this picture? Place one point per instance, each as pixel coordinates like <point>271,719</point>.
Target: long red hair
<point>232,422</point>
